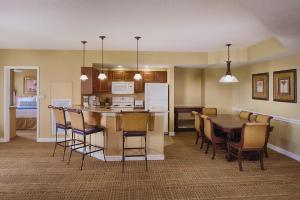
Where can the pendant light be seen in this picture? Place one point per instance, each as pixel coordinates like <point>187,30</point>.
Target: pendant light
<point>83,76</point>
<point>228,77</point>
<point>137,75</point>
<point>102,75</point>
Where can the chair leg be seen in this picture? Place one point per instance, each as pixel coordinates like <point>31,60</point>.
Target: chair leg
<point>214,151</point>
<point>104,146</point>
<point>55,141</point>
<point>72,147</point>
<point>123,156</point>
<point>228,150</point>
<point>261,159</point>
<point>197,137</point>
<point>207,147</point>
<point>202,141</point>
<point>146,153</point>
<point>239,158</point>
<point>84,151</point>
<point>65,145</point>
<point>266,151</point>
<point>90,147</point>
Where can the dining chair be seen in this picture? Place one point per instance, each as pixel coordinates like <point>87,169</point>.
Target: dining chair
<point>134,124</point>
<point>209,111</point>
<point>210,136</point>
<point>61,123</point>
<point>253,138</point>
<point>83,129</point>
<point>245,115</point>
<point>265,119</point>
<point>198,127</point>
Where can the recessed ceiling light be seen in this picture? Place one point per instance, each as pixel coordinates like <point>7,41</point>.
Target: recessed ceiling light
<point>120,66</point>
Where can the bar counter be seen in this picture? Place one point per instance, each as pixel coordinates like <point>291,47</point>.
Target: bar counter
<point>109,118</point>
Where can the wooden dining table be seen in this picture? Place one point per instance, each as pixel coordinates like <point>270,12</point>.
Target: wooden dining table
<point>231,125</point>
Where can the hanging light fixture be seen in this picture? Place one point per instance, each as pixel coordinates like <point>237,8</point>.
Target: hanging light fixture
<point>102,75</point>
<point>137,75</point>
<point>83,76</point>
<point>228,77</point>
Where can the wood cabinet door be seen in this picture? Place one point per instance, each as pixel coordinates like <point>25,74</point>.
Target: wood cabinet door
<point>117,75</point>
<point>105,85</point>
<point>95,80</point>
<point>138,86</point>
<point>128,75</point>
<point>148,76</point>
<point>160,76</point>
<point>87,85</point>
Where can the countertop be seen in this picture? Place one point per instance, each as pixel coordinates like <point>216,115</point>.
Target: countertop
<point>101,109</point>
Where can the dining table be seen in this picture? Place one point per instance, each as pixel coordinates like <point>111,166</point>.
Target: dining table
<point>232,125</point>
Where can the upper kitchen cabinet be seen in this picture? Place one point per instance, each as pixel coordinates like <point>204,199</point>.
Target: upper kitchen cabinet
<point>160,76</point>
<point>89,86</point>
<point>155,76</point>
<point>104,86</point>
<point>148,76</point>
<point>117,75</point>
<point>128,75</point>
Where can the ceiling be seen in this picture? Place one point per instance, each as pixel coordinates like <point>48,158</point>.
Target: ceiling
<point>165,25</point>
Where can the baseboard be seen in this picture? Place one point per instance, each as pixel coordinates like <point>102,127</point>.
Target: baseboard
<point>49,139</point>
<point>171,133</point>
<point>284,152</point>
<point>3,140</point>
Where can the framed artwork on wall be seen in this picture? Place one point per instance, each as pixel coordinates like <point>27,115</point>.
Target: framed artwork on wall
<point>285,86</point>
<point>260,86</point>
<point>30,85</point>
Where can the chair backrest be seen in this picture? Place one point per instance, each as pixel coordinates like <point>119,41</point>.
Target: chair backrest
<point>209,111</point>
<point>263,119</point>
<point>198,121</point>
<point>208,127</point>
<point>245,115</point>
<point>254,135</point>
<point>59,114</point>
<point>135,121</point>
<point>77,119</point>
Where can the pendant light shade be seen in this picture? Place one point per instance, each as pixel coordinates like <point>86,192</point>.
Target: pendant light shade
<point>137,75</point>
<point>228,77</point>
<point>102,75</point>
<point>83,76</point>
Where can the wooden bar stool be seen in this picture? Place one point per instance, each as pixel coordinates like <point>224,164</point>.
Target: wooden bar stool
<point>81,128</point>
<point>62,123</point>
<point>134,124</point>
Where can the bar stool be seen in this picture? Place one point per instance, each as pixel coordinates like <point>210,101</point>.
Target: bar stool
<point>134,124</point>
<point>80,127</point>
<point>61,123</point>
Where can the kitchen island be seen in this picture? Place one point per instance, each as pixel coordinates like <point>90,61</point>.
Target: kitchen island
<point>109,118</point>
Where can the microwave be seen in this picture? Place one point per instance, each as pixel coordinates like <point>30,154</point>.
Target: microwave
<point>122,87</point>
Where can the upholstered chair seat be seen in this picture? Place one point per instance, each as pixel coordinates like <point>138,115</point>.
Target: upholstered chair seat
<point>198,127</point>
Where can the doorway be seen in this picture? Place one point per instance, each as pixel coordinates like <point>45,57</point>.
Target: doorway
<point>21,102</point>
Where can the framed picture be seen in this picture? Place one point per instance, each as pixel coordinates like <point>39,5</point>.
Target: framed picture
<point>30,85</point>
<point>285,86</point>
<point>260,86</point>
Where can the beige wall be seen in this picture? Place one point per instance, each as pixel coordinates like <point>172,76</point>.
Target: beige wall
<point>187,84</point>
<point>215,94</point>
<point>285,135</point>
<point>1,104</point>
<point>19,81</point>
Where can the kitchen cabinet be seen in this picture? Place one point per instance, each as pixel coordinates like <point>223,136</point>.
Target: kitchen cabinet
<point>138,86</point>
<point>117,75</point>
<point>148,76</point>
<point>160,76</point>
<point>128,75</point>
<point>105,85</point>
<point>89,86</point>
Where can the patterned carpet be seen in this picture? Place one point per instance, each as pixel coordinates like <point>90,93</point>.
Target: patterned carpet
<point>27,171</point>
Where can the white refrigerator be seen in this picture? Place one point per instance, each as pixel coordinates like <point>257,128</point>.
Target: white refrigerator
<point>157,99</point>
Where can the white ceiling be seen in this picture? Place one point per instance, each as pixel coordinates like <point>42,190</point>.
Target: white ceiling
<point>165,25</point>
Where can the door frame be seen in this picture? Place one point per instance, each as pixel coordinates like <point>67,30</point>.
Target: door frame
<point>6,99</point>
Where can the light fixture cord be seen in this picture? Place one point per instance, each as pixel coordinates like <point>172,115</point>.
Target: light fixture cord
<point>137,55</point>
<point>102,57</point>
<point>228,52</point>
<point>83,54</point>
